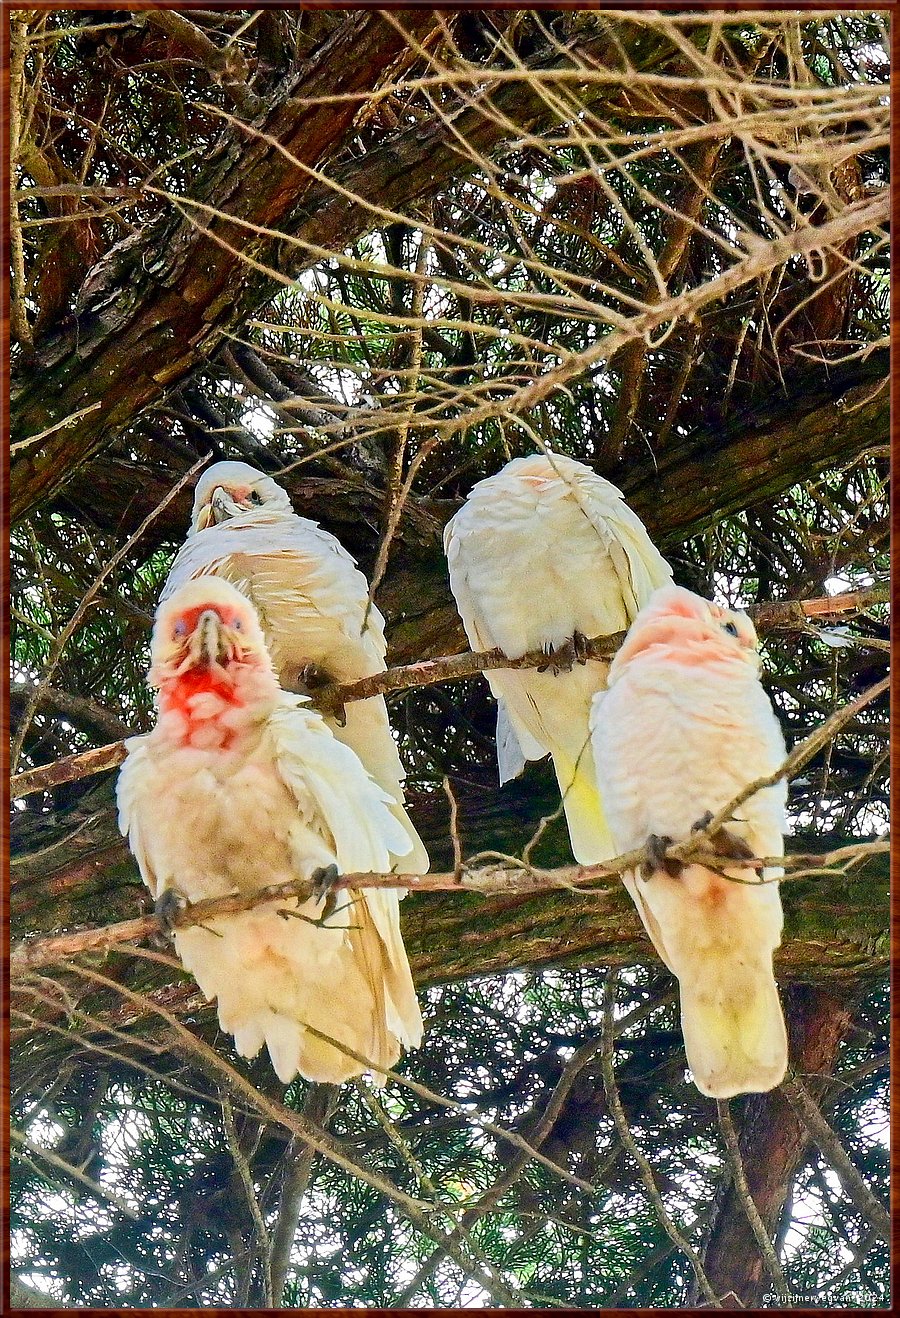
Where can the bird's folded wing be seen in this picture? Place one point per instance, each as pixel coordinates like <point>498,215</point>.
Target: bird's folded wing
<point>298,555</point>
<point>639,565</point>
<point>127,787</point>
<point>313,763</point>
<point>367,838</point>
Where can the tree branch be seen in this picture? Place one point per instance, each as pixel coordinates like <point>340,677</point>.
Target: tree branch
<point>828,1144</point>
<point>331,698</point>
<point>122,348</point>
<point>225,65</point>
<point>506,877</point>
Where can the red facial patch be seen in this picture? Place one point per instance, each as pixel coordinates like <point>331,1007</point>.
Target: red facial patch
<point>190,617</point>
<point>177,694</point>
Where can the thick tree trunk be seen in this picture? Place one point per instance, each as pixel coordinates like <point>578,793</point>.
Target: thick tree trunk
<point>773,1143</point>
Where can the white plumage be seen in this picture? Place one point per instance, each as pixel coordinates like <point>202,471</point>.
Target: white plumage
<point>311,601</point>
<point>683,727</point>
<point>240,786</point>
<point>539,552</point>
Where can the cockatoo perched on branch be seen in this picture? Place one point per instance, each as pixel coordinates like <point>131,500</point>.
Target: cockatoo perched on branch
<point>311,601</point>
<point>540,554</point>
<point>684,726</point>
<point>241,785</point>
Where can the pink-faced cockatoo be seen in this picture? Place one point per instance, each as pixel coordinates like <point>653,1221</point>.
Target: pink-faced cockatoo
<point>542,553</point>
<point>683,727</point>
<point>241,785</point>
<point>311,601</point>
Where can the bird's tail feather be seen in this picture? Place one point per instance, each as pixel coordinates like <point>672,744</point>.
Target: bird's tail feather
<point>733,1027</point>
<point>273,976</point>
<point>589,833</point>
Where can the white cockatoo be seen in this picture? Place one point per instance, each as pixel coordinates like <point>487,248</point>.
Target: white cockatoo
<point>542,553</point>
<point>311,601</point>
<point>684,726</point>
<point>241,785</point>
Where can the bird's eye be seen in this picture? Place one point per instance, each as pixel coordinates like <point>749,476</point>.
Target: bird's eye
<point>238,625</point>
<point>730,628</point>
<point>180,628</point>
<point>255,496</point>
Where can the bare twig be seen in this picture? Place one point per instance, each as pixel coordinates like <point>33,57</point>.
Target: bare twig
<point>398,488</point>
<point>71,768</point>
<point>828,1144</point>
<point>60,1164</point>
<point>263,1244</point>
<point>454,828</point>
<point>757,1225</point>
<point>225,64</point>
<point>625,1135</point>
<point>78,616</point>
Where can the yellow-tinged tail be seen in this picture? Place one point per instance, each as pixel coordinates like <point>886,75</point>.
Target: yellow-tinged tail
<point>733,1027</point>
<point>589,833</point>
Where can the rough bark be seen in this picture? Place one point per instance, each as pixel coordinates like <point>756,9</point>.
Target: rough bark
<point>696,482</point>
<point>168,320</point>
<point>148,322</point>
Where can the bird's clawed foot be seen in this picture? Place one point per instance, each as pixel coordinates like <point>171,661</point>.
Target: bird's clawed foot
<point>564,657</point>
<point>313,679</point>
<point>723,842</point>
<point>560,659</point>
<point>322,881</point>
<point>580,647</point>
<point>656,847</point>
<point>167,907</point>
<point>310,680</point>
<point>312,676</point>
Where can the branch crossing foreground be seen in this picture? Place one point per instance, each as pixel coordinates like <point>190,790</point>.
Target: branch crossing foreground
<point>331,698</point>
<point>507,874</point>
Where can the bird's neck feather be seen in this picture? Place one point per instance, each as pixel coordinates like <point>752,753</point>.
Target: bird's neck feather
<point>215,707</point>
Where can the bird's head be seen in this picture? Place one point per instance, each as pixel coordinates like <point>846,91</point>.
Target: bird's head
<point>690,630</point>
<point>231,489</point>
<point>207,627</point>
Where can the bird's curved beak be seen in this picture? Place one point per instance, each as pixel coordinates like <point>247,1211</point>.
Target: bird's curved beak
<point>204,517</point>
<point>215,644</point>
<point>220,508</point>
